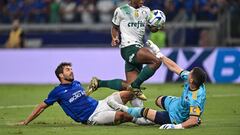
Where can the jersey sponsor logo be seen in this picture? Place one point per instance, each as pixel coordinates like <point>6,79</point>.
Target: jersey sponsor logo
<point>75,96</point>
<point>137,24</point>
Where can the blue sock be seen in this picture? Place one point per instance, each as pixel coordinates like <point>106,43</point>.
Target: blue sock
<point>135,111</point>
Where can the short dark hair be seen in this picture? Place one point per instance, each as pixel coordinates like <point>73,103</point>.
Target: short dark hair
<point>199,76</point>
<point>60,67</point>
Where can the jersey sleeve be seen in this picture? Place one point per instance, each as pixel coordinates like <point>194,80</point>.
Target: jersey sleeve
<point>52,98</point>
<point>195,109</point>
<point>117,17</point>
<point>184,75</point>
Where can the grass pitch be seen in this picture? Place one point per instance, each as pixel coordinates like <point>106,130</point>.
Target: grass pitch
<point>221,116</point>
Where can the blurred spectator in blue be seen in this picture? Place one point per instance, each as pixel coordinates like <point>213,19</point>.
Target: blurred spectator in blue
<point>155,4</point>
<point>16,36</point>
<point>207,10</point>
<point>170,10</point>
<point>13,9</point>
<point>87,11</point>
<point>54,11</point>
<point>27,11</point>
<point>186,6</point>
<point>68,9</point>
<point>234,7</point>
<point>3,15</point>
<point>40,11</point>
<point>105,9</point>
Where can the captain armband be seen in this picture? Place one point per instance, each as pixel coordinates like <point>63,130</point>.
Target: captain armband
<point>195,111</point>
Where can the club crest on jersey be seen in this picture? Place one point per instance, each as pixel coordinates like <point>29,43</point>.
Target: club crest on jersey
<point>136,14</point>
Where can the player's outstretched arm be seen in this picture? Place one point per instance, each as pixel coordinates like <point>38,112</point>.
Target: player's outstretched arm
<point>171,65</point>
<point>191,122</point>
<point>36,112</point>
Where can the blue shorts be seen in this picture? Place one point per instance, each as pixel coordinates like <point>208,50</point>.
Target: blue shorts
<point>167,100</point>
<point>162,118</point>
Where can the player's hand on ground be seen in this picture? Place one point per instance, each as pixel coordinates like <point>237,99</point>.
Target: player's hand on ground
<point>21,123</point>
<point>115,41</point>
<point>171,126</point>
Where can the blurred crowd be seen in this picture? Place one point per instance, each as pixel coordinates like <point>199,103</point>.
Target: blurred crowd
<point>97,11</point>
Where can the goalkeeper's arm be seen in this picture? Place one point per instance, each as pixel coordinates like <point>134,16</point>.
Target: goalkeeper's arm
<point>191,122</point>
<point>171,65</point>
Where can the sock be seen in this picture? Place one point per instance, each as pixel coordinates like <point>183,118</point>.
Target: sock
<point>115,84</point>
<point>153,46</point>
<point>136,102</point>
<point>155,49</point>
<point>135,111</point>
<point>145,74</point>
<point>142,121</point>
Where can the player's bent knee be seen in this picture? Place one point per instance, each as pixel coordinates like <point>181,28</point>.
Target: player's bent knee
<point>158,102</point>
<point>126,96</point>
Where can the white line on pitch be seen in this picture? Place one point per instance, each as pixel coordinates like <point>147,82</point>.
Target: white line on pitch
<point>226,95</point>
<point>17,106</point>
<point>30,106</point>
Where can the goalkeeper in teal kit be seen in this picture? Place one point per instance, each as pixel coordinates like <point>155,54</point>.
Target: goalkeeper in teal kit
<point>180,112</point>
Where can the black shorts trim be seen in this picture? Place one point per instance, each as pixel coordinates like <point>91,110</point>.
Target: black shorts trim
<point>162,102</point>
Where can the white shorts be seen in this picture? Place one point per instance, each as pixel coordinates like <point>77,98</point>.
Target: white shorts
<point>104,114</point>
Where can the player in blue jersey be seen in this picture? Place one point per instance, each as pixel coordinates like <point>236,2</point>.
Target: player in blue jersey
<point>180,112</point>
<point>71,96</point>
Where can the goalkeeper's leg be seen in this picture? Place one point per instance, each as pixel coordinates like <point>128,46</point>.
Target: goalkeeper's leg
<point>138,112</point>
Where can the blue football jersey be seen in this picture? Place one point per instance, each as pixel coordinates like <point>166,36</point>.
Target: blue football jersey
<point>190,102</point>
<point>74,102</point>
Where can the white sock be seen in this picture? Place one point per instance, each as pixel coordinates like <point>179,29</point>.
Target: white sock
<point>136,102</point>
<point>142,121</point>
<point>154,48</point>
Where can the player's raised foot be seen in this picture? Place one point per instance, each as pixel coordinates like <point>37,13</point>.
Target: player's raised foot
<point>138,92</point>
<point>93,86</point>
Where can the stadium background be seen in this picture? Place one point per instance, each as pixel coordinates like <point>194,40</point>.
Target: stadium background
<point>203,33</point>
<point>79,31</point>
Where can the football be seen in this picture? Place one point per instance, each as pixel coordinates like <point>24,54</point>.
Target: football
<point>157,19</point>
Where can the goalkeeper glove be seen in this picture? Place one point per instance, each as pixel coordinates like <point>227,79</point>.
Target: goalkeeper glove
<point>171,126</point>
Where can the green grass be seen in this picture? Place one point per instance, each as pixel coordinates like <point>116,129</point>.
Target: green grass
<point>221,116</point>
